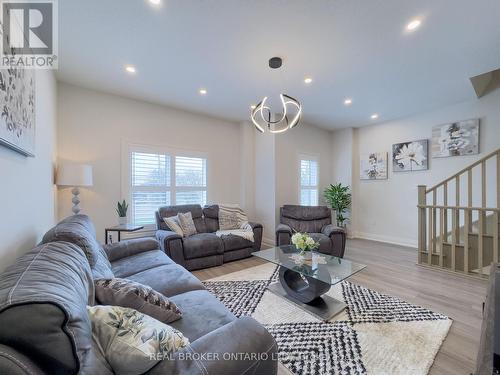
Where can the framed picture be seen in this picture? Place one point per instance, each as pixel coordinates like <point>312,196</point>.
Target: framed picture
<point>17,115</point>
<point>455,139</point>
<point>373,166</point>
<point>410,156</point>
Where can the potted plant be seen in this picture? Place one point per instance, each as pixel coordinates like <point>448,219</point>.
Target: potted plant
<point>339,199</point>
<point>121,210</point>
<point>305,244</point>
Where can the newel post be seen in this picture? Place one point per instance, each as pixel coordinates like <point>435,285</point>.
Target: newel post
<point>422,220</point>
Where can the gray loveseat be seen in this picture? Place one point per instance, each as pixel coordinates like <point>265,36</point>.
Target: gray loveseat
<point>315,220</point>
<point>45,329</point>
<point>203,249</point>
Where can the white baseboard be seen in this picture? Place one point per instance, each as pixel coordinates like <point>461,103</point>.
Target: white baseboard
<point>387,239</point>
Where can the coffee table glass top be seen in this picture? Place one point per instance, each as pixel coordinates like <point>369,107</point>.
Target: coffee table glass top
<point>322,267</point>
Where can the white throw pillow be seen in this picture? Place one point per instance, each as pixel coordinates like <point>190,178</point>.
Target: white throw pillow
<point>186,223</point>
<point>132,342</point>
<point>173,223</point>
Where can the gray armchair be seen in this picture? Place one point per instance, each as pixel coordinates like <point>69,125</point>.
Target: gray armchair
<point>317,222</point>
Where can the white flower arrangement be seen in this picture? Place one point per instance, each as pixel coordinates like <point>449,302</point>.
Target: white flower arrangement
<point>304,242</point>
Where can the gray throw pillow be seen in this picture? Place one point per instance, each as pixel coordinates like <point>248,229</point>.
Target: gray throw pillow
<point>186,223</point>
<point>127,293</point>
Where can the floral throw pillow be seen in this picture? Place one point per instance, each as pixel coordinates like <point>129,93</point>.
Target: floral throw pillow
<point>186,223</point>
<point>128,293</point>
<point>132,342</point>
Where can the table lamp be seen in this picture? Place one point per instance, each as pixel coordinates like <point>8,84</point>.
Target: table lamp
<point>75,175</point>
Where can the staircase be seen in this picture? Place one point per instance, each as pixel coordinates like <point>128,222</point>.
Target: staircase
<point>462,237</point>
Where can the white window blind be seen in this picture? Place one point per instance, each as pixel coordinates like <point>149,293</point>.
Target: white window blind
<point>159,179</point>
<point>190,180</point>
<point>308,182</point>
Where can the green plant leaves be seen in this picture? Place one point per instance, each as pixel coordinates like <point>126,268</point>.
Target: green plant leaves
<point>339,199</point>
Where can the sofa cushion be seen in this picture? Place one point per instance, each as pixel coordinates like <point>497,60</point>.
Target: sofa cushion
<point>232,242</point>
<point>187,224</point>
<point>43,299</point>
<point>211,214</point>
<point>325,244</point>
<point>202,313</point>
<point>139,262</point>
<point>202,245</point>
<point>76,233</point>
<point>168,279</point>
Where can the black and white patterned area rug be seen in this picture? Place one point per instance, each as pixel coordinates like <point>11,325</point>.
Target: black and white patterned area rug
<point>376,335</point>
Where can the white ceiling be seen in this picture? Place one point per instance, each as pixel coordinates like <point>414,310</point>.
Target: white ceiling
<point>357,49</point>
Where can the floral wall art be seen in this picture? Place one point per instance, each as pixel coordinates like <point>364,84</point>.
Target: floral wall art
<point>410,156</point>
<point>373,166</point>
<point>17,110</point>
<point>456,139</point>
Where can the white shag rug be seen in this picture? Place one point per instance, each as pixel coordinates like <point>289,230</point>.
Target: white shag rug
<point>376,335</point>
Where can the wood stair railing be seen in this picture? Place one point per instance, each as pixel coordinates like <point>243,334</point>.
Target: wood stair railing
<point>461,249</point>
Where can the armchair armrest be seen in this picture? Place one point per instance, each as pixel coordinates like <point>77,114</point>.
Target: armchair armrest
<point>171,243</point>
<point>338,238</point>
<point>258,231</point>
<point>283,235</point>
<point>240,347</point>
<point>127,248</point>
<point>330,229</point>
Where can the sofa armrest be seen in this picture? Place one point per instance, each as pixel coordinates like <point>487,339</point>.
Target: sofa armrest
<point>171,243</point>
<point>126,248</point>
<point>240,347</point>
<point>283,235</point>
<point>338,238</point>
<point>13,362</point>
<point>258,231</point>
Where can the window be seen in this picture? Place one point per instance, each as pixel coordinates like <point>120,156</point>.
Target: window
<point>158,179</point>
<point>308,182</point>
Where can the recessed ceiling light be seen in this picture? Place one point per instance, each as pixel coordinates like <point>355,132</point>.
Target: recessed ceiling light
<point>203,91</point>
<point>155,2</point>
<point>413,25</point>
<point>348,101</point>
<point>308,80</point>
<point>374,116</point>
<point>253,106</point>
<point>130,69</point>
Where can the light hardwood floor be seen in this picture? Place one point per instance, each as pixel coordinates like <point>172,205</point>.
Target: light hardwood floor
<point>392,270</point>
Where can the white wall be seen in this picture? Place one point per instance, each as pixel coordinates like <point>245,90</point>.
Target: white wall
<point>306,140</point>
<point>93,126</point>
<point>265,184</point>
<point>386,210</point>
<point>27,192</point>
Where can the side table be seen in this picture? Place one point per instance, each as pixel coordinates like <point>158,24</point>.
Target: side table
<point>121,228</point>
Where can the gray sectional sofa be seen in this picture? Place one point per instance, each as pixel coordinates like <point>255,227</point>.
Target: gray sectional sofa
<point>203,249</point>
<point>45,329</point>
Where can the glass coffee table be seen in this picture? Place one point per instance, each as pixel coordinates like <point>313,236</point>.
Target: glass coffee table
<point>305,281</point>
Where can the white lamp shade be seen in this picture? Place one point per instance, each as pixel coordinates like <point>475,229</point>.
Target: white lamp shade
<point>72,174</point>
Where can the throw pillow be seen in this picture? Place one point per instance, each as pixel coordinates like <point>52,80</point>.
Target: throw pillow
<point>128,293</point>
<point>231,216</point>
<point>132,342</point>
<point>173,223</point>
<point>186,223</point>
